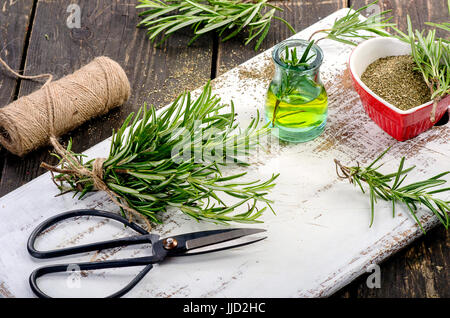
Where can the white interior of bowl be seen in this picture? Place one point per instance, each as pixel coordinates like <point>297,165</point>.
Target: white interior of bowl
<point>371,50</point>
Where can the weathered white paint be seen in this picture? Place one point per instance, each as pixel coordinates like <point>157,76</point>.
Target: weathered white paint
<point>318,242</point>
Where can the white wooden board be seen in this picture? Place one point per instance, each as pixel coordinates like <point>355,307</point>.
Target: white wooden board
<point>317,243</point>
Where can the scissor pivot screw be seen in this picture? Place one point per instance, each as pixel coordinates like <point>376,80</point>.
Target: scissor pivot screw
<point>170,243</point>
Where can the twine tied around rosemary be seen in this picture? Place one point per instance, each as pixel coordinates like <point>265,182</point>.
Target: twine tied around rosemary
<point>96,174</point>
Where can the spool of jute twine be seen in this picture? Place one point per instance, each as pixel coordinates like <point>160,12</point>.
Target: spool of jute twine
<point>58,107</point>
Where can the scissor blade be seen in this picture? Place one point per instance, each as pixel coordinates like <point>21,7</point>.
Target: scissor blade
<point>220,237</point>
<point>225,245</point>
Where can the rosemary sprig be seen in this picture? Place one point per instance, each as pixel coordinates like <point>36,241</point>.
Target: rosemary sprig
<point>389,188</point>
<point>349,27</point>
<point>291,59</point>
<point>227,17</point>
<point>148,171</point>
<point>444,25</point>
<point>432,58</point>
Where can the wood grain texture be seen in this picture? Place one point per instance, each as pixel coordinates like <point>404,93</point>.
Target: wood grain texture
<point>420,11</point>
<point>15,18</point>
<point>156,75</point>
<point>420,270</point>
<point>299,13</point>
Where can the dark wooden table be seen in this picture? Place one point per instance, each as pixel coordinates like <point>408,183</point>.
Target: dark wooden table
<point>34,37</point>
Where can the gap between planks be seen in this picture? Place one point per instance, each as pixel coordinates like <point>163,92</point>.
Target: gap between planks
<point>25,49</point>
<point>21,70</point>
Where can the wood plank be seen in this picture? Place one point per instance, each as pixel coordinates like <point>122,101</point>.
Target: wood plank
<point>420,11</point>
<point>156,75</point>
<point>419,270</point>
<point>15,16</point>
<point>299,13</point>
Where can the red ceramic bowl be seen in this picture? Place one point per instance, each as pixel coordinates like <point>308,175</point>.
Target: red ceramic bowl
<point>400,124</point>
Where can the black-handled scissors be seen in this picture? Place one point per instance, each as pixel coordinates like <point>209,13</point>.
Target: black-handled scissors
<point>178,245</point>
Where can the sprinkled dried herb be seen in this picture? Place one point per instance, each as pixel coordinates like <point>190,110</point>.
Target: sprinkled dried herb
<point>396,80</point>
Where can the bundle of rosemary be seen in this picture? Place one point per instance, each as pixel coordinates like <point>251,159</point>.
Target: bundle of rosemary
<point>227,17</point>
<point>173,159</point>
<point>389,187</point>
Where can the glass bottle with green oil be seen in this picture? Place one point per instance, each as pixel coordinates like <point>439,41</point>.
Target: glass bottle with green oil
<point>297,103</point>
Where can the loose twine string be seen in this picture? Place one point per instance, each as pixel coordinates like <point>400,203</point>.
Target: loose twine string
<point>58,107</point>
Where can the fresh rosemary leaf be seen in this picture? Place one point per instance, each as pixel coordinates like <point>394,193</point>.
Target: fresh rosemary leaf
<point>432,57</point>
<point>411,195</point>
<point>444,25</point>
<point>350,26</point>
<point>147,176</point>
<point>227,17</point>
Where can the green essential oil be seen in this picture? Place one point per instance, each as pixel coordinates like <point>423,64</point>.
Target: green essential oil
<point>300,115</point>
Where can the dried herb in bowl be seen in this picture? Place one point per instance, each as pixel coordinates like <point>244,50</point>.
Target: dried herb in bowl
<point>396,80</point>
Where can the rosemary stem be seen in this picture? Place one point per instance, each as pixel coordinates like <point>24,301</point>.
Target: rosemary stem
<point>316,32</point>
<point>387,187</point>
<point>275,111</point>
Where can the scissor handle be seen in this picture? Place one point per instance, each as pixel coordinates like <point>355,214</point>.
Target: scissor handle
<point>145,237</point>
<point>147,261</point>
